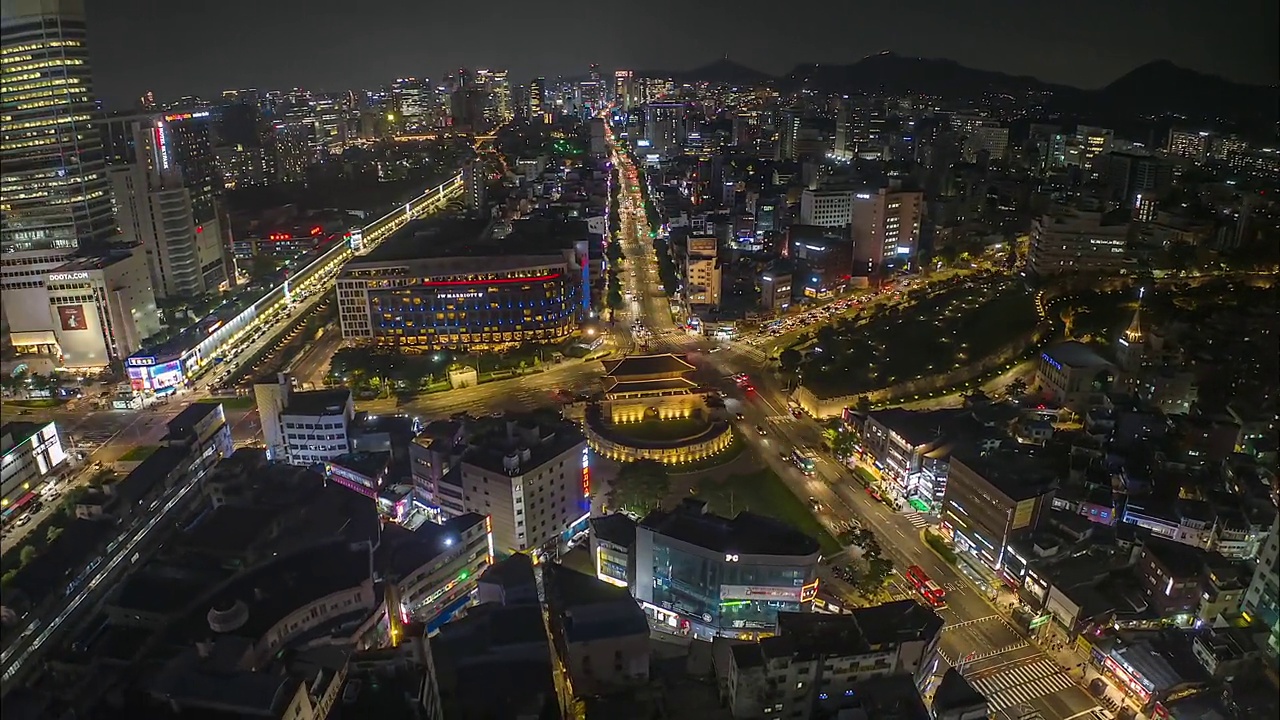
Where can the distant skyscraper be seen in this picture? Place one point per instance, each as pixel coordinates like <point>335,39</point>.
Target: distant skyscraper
<point>54,192</point>
<point>537,96</point>
<point>622,89</point>
<point>500,91</point>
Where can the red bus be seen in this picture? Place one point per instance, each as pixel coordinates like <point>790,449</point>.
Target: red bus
<point>932,593</point>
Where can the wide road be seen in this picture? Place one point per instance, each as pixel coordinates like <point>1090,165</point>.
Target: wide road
<point>1017,677</point>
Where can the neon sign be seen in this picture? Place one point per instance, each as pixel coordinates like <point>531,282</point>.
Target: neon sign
<point>162,147</point>
<point>61,277</point>
<point>586,472</point>
<point>186,116</point>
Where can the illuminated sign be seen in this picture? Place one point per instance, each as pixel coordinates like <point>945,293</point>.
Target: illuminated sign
<point>755,592</point>
<point>863,196</point>
<point>1056,365</point>
<point>586,472</point>
<point>172,117</point>
<point>162,147</point>
<point>459,295</point>
<point>808,592</point>
<point>140,361</point>
<point>63,277</point>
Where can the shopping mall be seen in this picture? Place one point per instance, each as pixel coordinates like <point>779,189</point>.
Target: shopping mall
<point>462,284</point>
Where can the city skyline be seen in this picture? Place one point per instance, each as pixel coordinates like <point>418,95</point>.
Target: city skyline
<point>284,47</point>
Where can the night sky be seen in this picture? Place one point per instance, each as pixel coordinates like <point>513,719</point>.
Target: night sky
<point>176,48</point>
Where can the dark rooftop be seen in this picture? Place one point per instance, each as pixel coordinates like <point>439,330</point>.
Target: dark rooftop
<point>746,533</point>
<point>155,470</point>
<point>1076,355</point>
<point>632,365</point>
<point>545,438</point>
<point>403,551</point>
<point>1020,474</point>
<point>192,415</point>
<point>61,559</point>
<point>317,402</point>
<point>615,528</point>
<point>369,464</point>
<point>955,693</point>
<point>19,432</point>
<point>589,609</point>
<point>459,238</point>
<point>916,427</point>
<point>809,635</point>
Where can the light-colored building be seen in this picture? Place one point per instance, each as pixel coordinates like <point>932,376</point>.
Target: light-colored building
<point>599,633</point>
<point>775,290</point>
<point>665,128</point>
<point>814,665</point>
<point>1190,144</point>
<point>886,229</point>
<point>1069,240</point>
<point>184,246</point>
<point>435,567</point>
<point>1261,602</point>
<point>532,477</point>
<point>55,193</point>
<point>826,208</point>
<point>1074,376</point>
<point>307,427</point>
<point>702,272</point>
<point>29,454</point>
<point>101,308</point>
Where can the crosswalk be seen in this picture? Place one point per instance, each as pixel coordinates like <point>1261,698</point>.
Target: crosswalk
<point>918,520</point>
<point>1010,686</point>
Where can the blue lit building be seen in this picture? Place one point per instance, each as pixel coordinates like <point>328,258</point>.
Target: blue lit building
<point>466,285</point>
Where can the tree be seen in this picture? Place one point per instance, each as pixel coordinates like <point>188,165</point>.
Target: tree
<point>789,360</point>
<point>52,533</point>
<point>27,554</point>
<point>863,404</point>
<point>1017,388</point>
<point>639,486</point>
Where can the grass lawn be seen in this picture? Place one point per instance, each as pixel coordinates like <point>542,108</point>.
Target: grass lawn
<point>35,403</point>
<point>239,402</point>
<point>138,453</point>
<point>723,457</point>
<point>659,430</point>
<point>764,493</point>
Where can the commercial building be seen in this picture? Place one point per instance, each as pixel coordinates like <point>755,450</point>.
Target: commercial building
<point>303,427</point>
<point>826,207</point>
<point>823,259</point>
<point>456,285</point>
<point>775,289</point>
<point>29,454</point>
<point>1067,240</point>
<point>665,128</point>
<point>537,96</point>
<point>702,272</point>
<point>1261,604</point>
<point>55,192</point>
<point>820,665</point>
<point>623,92</point>
<point>531,475</point>
<point>102,308</point>
<point>886,229</point>
<point>435,568</point>
<point>613,549</point>
<point>993,498</point>
<point>1073,376</point>
<point>710,576</point>
<point>165,185</point>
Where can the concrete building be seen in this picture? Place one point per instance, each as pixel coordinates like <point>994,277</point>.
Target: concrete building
<point>1067,240</point>
<point>435,567</point>
<point>826,207</point>
<point>775,289</point>
<point>823,259</point>
<point>303,427</point>
<point>1193,145</point>
<point>665,128</point>
<point>30,454</point>
<point>1072,375</point>
<point>532,477</point>
<point>1261,602</point>
<point>702,272</point>
<point>166,189</point>
<point>818,664</point>
<point>55,192</point>
<point>886,229</point>
<point>613,548</point>
<point>711,576</point>
<point>600,635</point>
<point>993,498</point>
<point>101,307</point>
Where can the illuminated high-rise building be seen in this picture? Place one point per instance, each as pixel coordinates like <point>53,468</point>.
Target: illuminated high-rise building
<point>537,96</point>
<point>54,194</point>
<point>500,92</point>
<point>622,88</point>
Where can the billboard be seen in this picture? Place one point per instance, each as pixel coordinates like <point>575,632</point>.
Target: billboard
<point>72,317</point>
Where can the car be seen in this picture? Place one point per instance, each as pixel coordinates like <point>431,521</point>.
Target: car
<point>815,503</point>
<point>740,416</point>
<point>760,429</point>
<point>23,520</point>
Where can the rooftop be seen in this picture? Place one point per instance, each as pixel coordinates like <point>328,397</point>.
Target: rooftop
<point>639,365</point>
<point>746,533</point>
<point>16,433</point>
<point>1076,355</point>
<point>455,238</point>
<point>403,551</point>
<point>192,415</point>
<point>810,635</point>
<point>493,444</point>
<point>587,609</point>
<point>368,464</point>
<point>95,262</point>
<point>614,528</point>
<point>1019,474</point>
<point>318,402</point>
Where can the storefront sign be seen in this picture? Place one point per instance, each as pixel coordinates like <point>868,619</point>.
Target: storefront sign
<point>140,361</point>
<point>755,592</point>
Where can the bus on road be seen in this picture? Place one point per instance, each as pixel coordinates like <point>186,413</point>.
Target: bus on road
<point>805,460</point>
<point>932,593</point>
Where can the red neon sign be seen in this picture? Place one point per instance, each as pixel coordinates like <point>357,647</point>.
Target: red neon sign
<point>503,281</point>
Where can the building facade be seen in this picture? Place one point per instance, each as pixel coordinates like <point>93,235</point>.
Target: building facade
<point>1069,240</point>
<point>702,272</point>
<point>29,454</point>
<point>886,229</point>
<point>55,192</point>
<point>1261,602</point>
<point>101,307</point>
<point>710,576</point>
<point>826,208</point>
<point>991,499</point>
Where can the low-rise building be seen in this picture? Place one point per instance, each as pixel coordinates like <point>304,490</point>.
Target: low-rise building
<point>600,635</point>
<point>30,454</point>
<point>993,498</point>
<point>613,548</point>
<point>304,427</point>
<point>1073,376</point>
<point>817,663</point>
<point>1077,241</point>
